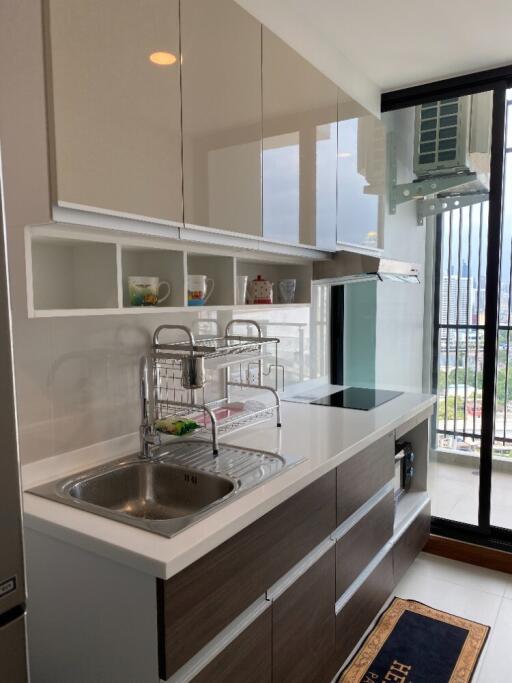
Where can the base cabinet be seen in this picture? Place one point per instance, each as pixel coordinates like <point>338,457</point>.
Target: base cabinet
<point>303,626</point>
<point>412,542</point>
<point>362,608</point>
<point>361,477</point>
<point>248,658</point>
<point>203,599</point>
<point>368,536</point>
<point>288,598</point>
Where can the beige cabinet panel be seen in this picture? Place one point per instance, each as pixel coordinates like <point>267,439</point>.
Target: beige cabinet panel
<point>299,148</point>
<point>117,113</point>
<point>361,175</point>
<point>221,90</point>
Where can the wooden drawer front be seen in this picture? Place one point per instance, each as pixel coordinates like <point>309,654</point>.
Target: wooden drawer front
<point>359,545</point>
<point>203,599</point>
<point>303,626</point>
<point>411,543</point>
<point>248,658</point>
<point>363,475</point>
<point>362,608</point>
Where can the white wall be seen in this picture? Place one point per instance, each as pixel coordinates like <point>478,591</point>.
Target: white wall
<point>399,347</point>
<point>77,378</point>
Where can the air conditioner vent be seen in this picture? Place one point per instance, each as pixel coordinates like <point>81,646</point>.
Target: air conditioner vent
<point>437,136</point>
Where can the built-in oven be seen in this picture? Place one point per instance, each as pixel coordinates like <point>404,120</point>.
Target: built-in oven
<point>404,468</point>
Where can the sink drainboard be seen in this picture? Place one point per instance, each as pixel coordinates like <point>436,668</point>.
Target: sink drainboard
<point>167,493</point>
<point>247,467</point>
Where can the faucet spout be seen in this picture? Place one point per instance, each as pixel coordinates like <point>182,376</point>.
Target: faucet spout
<point>150,439</point>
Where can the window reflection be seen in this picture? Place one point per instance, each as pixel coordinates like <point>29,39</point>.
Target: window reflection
<point>358,204</point>
<point>326,151</point>
<point>281,187</point>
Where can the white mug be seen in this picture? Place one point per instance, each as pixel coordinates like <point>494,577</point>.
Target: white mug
<point>200,289</point>
<point>144,290</point>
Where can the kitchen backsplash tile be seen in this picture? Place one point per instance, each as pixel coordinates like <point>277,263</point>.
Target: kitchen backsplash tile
<point>82,386</point>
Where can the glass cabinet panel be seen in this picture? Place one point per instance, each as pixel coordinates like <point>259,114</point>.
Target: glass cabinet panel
<point>221,90</point>
<point>116,105</point>
<point>299,148</point>
<point>361,175</point>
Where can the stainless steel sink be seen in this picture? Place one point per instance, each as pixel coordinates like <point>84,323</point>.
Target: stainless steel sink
<point>176,488</point>
<point>152,490</point>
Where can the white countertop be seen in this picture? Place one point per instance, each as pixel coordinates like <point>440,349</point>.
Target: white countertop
<point>324,437</point>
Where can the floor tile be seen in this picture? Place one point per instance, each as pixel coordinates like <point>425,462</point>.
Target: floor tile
<point>497,661</point>
<point>454,492</point>
<point>479,578</point>
<point>508,589</point>
<point>461,600</point>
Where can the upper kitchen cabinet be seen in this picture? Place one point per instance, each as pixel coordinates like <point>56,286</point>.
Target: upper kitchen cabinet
<point>361,177</point>
<point>221,91</point>
<point>299,148</point>
<point>115,85</point>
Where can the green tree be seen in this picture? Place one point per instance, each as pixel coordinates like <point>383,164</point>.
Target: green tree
<point>450,408</point>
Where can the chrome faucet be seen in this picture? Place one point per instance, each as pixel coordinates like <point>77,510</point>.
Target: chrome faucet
<point>150,439</point>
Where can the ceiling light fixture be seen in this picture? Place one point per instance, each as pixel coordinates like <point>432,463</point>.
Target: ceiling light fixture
<point>162,58</point>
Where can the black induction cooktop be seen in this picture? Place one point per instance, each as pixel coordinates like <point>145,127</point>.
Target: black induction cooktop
<point>357,398</point>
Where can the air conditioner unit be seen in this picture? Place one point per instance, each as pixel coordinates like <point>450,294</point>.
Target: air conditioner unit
<point>454,135</point>
<point>451,158</point>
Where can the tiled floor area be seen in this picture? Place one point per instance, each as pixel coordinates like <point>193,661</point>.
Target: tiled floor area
<point>454,492</point>
<point>471,592</point>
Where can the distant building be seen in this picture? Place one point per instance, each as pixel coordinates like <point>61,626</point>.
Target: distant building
<point>457,300</point>
<point>456,303</point>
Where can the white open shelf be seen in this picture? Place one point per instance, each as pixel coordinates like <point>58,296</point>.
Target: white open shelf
<point>221,269</point>
<point>408,507</point>
<point>81,271</point>
<point>413,500</point>
<point>167,265</point>
<point>274,272</point>
<point>68,275</point>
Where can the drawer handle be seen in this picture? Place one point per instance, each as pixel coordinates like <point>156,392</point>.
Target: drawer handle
<point>221,641</point>
<point>361,512</point>
<point>282,584</point>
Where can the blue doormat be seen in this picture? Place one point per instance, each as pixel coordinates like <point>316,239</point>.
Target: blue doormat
<point>413,643</point>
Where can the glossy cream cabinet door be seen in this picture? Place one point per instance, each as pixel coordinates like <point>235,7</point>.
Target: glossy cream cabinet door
<point>221,90</point>
<point>361,176</point>
<point>299,148</point>
<point>116,113</point>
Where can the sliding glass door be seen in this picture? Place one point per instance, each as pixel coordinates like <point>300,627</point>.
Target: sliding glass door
<point>471,473</point>
<point>501,482</point>
<point>458,372</point>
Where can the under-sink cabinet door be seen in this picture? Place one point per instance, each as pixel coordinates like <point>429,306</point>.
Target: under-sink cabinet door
<point>248,658</point>
<point>199,602</point>
<point>303,621</point>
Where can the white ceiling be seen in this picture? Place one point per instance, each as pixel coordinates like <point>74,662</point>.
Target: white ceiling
<point>398,43</point>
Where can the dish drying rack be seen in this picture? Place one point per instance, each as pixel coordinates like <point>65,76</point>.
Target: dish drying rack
<point>179,376</point>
